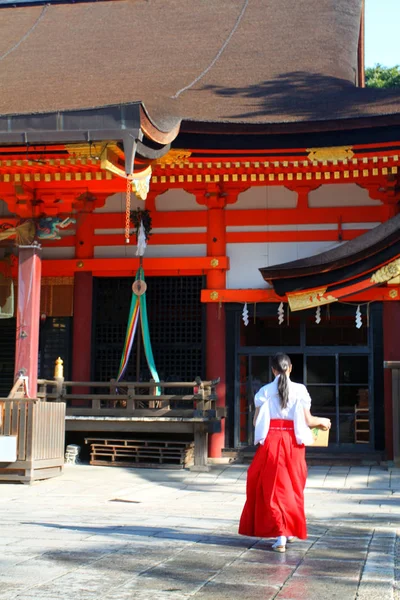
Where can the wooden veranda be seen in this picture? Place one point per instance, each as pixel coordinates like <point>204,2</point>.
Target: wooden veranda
<point>127,408</point>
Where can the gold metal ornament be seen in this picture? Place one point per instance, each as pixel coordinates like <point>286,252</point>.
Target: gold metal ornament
<point>387,272</point>
<point>141,187</point>
<point>330,153</point>
<point>175,156</point>
<point>139,287</point>
<point>59,368</point>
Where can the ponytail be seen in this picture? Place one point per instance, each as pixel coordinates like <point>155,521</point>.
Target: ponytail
<point>281,363</point>
<point>283,390</point>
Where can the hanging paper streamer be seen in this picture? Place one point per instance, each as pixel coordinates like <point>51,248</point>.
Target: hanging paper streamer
<point>141,241</point>
<point>281,313</point>
<point>138,309</point>
<point>318,315</point>
<point>245,315</point>
<point>358,317</point>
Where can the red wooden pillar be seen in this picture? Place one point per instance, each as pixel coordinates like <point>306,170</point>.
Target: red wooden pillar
<point>391,351</point>
<point>82,327</point>
<point>216,332</point>
<point>83,301</point>
<point>28,315</point>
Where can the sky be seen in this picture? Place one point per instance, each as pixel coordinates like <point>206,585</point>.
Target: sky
<point>382,32</point>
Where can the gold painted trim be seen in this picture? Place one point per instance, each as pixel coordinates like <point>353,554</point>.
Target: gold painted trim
<point>140,180</point>
<point>174,156</point>
<point>330,153</point>
<point>310,299</point>
<point>394,281</point>
<point>94,150</point>
<point>386,273</point>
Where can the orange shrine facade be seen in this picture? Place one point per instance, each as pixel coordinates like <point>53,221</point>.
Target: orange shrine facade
<point>218,217</point>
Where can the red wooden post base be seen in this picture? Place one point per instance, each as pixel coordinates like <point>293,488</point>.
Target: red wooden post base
<point>28,315</point>
<point>216,368</point>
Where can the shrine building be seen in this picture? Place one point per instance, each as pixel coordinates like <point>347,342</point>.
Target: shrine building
<point>271,179</point>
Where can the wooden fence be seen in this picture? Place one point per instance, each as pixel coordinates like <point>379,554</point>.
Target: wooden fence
<point>38,428</point>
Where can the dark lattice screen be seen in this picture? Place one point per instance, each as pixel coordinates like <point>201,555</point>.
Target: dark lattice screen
<point>176,327</point>
<point>7,355</point>
<point>55,340</point>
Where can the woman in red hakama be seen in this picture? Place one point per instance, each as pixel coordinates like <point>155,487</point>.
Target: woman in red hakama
<point>277,476</point>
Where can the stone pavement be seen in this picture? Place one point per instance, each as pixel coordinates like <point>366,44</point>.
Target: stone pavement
<point>102,533</point>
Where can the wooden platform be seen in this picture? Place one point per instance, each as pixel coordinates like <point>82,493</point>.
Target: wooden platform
<point>129,409</point>
<point>141,453</point>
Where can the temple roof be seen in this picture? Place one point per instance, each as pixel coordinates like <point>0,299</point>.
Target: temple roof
<point>242,62</point>
<point>366,261</point>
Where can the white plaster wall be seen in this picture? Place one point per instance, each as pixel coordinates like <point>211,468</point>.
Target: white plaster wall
<point>265,197</point>
<point>177,199</point>
<point>343,194</point>
<point>302,227</point>
<point>247,259</point>
<point>165,250</point>
<point>58,252</point>
<point>116,204</point>
<point>154,230</point>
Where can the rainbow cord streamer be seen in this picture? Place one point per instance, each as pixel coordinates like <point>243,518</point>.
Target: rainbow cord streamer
<point>138,309</point>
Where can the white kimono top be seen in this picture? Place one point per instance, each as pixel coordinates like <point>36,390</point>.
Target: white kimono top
<point>267,399</point>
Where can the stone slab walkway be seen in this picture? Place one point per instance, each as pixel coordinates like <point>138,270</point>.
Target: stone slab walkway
<point>102,533</point>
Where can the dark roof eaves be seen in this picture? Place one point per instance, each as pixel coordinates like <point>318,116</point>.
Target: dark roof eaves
<point>224,127</point>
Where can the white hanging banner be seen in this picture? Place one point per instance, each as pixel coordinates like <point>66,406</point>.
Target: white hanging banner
<point>245,315</point>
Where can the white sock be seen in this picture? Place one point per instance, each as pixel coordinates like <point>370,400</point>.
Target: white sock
<point>281,540</point>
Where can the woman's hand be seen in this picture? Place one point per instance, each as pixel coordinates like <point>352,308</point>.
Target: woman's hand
<point>324,423</point>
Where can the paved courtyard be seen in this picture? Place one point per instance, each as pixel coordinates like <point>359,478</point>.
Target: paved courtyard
<point>109,533</point>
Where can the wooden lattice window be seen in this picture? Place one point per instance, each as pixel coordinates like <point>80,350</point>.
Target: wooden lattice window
<point>57,296</point>
<point>176,327</point>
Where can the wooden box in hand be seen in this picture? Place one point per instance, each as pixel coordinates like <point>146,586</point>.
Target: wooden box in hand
<point>321,437</point>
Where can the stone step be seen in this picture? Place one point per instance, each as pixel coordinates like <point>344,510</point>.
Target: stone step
<point>317,458</point>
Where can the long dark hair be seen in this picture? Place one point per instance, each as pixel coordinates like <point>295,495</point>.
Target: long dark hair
<point>281,363</point>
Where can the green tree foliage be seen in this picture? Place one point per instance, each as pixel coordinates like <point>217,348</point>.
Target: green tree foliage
<point>382,77</point>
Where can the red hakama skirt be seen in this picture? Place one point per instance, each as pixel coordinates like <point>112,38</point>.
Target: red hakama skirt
<point>275,486</point>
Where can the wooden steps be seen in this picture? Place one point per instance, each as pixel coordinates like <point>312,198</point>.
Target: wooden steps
<point>141,453</point>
